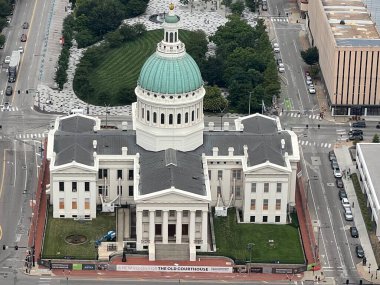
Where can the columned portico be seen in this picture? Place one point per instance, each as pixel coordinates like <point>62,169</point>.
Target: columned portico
<point>165,221</point>
<point>151,226</point>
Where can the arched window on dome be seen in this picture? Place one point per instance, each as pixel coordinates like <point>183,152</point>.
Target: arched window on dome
<point>154,117</point>
<point>162,119</point>
<point>148,115</point>
<point>175,37</point>
<point>171,37</point>
<point>192,116</point>
<point>186,117</point>
<point>178,119</point>
<point>142,113</point>
<point>170,119</point>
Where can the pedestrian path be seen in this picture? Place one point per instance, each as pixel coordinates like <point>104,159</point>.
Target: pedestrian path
<point>297,114</point>
<point>316,144</point>
<point>31,136</point>
<point>280,19</point>
<point>44,281</point>
<point>9,109</point>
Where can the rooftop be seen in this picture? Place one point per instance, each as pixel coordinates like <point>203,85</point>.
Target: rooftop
<point>351,23</point>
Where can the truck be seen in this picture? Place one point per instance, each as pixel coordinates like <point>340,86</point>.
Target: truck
<point>13,66</point>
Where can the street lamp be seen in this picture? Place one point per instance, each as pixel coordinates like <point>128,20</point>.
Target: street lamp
<point>249,103</point>
<point>179,272</point>
<point>250,248</point>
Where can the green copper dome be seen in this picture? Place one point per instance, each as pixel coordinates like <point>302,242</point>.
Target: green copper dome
<point>170,75</point>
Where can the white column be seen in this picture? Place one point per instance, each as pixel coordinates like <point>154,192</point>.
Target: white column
<point>192,227</point>
<point>138,226</point>
<point>151,226</point>
<point>178,228</point>
<point>204,226</point>
<point>165,227</point>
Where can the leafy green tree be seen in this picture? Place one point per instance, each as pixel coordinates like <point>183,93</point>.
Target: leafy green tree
<point>3,23</point>
<point>139,29</point>
<point>227,3</point>
<point>212,71</point>
<point>114,39</point>
<point>376,139</point>
<point>237,7</point>
<point>310,56</point>
<point>184,2</point>
<point>213,100</point>
<point>84,38</point>
<point>125,96</point>
<point>196,45</point>
<point>134,8</point>
<point>2,40</point>
<point>5,8</point>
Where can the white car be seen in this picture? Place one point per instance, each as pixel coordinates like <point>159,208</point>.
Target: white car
<point>348,214</point>
<point>308,82</point>
<point>337,173</point>
<point>7,59</point>
<point>281,67</point>
<point>311,90</point>
<point>308,77</point>
<point>346,203</point>
<point>21,49</point>
<point>276,47</point>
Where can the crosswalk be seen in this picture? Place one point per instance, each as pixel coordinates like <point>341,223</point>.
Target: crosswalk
<point>8,109</point>
<point>299,115</point>
<point>31,136</point>
<point>316,144</point>
<point>280,19</point>
<point>44,281</point>
<point>342,134</point>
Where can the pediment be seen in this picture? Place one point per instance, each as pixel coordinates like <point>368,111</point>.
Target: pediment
<point>172,196</point>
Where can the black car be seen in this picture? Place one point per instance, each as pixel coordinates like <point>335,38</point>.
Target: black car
<point>332,155</point>
<point>355,138</point>
<point>342,194</point>
<point>25,25</point>
<point>334,164</point>
<point>9,91</point>
<point>355,132</point>
<point>359,251</point>
<point>360,124</point>
<point>339,183</point>
<point>354,232</point>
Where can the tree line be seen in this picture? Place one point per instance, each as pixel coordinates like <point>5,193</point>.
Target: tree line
<point>5,11</point>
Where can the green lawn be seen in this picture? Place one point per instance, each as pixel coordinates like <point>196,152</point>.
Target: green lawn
<point>119,68</point>
<point>55,245</point>
<point>232,240</point>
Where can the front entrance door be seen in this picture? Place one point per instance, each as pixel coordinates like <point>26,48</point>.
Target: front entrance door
<point>171,231</point>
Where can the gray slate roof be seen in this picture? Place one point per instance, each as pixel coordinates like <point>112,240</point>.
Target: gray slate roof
<point>161,170</point>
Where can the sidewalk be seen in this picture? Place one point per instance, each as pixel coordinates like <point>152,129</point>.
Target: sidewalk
<point>344,160</point>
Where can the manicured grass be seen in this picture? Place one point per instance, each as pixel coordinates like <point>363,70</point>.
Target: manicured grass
<point>57,230</point>
<point>232,240</point>
<point>119,68</point>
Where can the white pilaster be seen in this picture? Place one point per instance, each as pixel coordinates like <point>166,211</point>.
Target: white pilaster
<point>165,226</point>
<point>178,228</point>
<point>204,227</point>
<point>138,226</point>
<point>192,227</point>
<point>151,226</point>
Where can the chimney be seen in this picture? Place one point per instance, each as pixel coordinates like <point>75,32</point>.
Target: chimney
<point>226,126</point>
<point>230,151</point>
<point>245,147</point>
<point>94,143</point>
<point>282,144</point>
<point>124,151</point>
<point>215,151</point>
<point>94,154</point>
<point>211,126</point>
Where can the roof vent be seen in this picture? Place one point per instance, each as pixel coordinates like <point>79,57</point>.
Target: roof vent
<point>282,144</point>
<point>170,157</point>
<point>94,143</point>
<point>342,22</point>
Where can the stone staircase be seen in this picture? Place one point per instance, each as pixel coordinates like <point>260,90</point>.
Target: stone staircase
<point>172,252</point>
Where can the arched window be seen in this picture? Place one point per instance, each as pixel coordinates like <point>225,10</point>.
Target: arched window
<point>170,119</point>
<point>175,37</point>
<point>166,37</point>
<point>147,115</point>
<point>192,116</point>
<point>171,37</point>
<point>186,117</point>
<point>142,113</point>
<point>178,119</point>
<point>154,117</point>
<point>197,113</point>
<point>162,119</point>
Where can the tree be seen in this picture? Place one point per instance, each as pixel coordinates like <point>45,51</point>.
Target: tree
<point>184,2</point>
<point>310,56</point>
<point>237,8</point>
<point>5,8</point>
<point>135,8</point>
<point>376,139</point>
<point>2,40</point>
<point>227,3</point>
<point>196,45</point>
<point>114,39</point>
<point>213,100</point>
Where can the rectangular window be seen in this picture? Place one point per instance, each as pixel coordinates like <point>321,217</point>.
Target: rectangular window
<point>171,213</point>
<point>74,204</point>
<point>130,190</point>
<point>253,187</point>
<point>103,190</point>
<point>279,187</point>
<point>220,174</point>
<point>218,190</point>
<point>253,204</point>
<point>158,229</point>
<point>252,219</point>
<point>265,219</point>
<point>198,213</point>
<point>119,190</point>
<point>278,204</point>
<point>185,229</point>
<point>277,219</point>
<point>120,174</point>
<point>87,203</point>
<point>74,187</point>
<point>102,173</point>
<point>265,204</point>
<point>266,187</point>
<point>130,174</point>
<point>236,173</point>
<point>61,203</point>
<point>61,186</point>
<point>87,186</point>
<point>209,174</point>
<point>237,191</point>
<point>158,213</point>
<point>185,213</point>
<point>145,213</point>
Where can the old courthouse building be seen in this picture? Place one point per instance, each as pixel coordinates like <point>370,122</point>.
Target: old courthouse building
<point>164,175</point>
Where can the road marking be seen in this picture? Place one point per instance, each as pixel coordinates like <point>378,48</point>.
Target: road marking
<point>2,179</point>
<point>1,233</point>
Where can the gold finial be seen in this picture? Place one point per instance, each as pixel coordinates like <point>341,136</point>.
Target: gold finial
<point>171,6</point>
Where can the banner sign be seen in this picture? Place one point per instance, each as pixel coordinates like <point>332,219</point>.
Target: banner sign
<point>61,265</point>
<point>88,266</point>
<point>77,266</point>
<point>172,268</point>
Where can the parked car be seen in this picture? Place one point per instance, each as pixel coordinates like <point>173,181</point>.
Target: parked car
<point>359,251</point>
<point>311,90</point>
<point>355,132</point>
<point>25,25</point>
<point>337,173</point>
<point>23,37</point>
<point>9,91</point>
<point>360,124</point>
<point>332,155</point>
<point>281,67</point>
<point>7,59</point>
<point>21,49</point>
<point>339,183</point>
<point>355,137</point>
<point>308,82</point>
<point>334,164</point>
<point>378,126</point>
<point>348,214</point>
<point>354,232</point>
<point>342,194</point>
<point>279,60</point>
<point>276,48</point>
<point>345,203</point>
